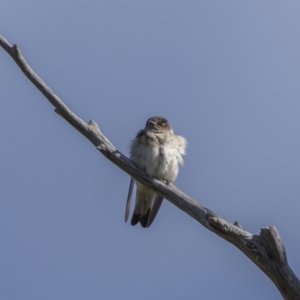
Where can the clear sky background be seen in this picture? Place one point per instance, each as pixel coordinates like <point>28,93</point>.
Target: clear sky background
<point>226,74</point>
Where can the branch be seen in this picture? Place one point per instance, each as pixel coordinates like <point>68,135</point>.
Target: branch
<point>266,250</point>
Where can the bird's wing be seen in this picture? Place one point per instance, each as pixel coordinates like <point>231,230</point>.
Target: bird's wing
<point>127,210</point>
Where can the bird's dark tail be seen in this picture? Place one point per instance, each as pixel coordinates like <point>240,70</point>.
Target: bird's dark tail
<point>143,219</point>
<point>147,205</point>
<point>135,219</point>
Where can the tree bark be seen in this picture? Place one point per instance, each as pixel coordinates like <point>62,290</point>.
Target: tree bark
<point>266,250</point>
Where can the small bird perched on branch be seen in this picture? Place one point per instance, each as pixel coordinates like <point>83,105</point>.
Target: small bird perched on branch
<point>158,151</point>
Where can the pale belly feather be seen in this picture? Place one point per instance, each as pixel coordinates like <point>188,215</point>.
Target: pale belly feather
<point>162,162</point>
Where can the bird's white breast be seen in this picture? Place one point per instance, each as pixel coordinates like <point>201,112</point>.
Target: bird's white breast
<point>158,155</point>
<point>161,161</point>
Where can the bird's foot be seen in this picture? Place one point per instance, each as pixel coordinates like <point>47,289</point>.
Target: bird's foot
<point>168,182</point>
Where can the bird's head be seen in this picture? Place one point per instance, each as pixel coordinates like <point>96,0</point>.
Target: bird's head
<point>158,125</point>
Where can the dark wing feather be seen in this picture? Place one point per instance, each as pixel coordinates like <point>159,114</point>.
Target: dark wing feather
<point>127,210</point>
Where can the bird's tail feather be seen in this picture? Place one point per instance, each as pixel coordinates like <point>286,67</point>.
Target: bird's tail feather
<point>146,207</point>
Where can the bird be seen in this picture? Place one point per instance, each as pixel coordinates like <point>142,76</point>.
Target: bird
<point>158,151</point>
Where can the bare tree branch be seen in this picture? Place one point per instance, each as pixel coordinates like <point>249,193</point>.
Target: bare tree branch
<point>266,250</point>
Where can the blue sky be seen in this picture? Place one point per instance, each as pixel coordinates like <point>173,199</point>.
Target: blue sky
<point>226,76</point>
